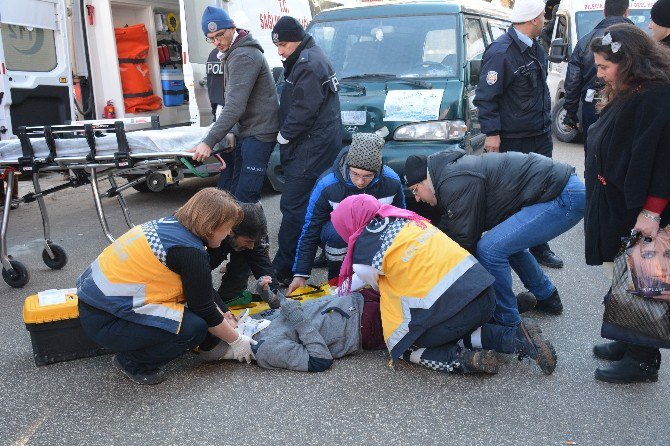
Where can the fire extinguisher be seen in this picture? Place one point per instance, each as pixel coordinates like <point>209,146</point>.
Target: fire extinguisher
<point>109,112</point>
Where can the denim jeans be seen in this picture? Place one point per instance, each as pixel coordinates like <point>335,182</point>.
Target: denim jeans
<point>142,348</point>
<point>250,164</point>
<point>505,247</point>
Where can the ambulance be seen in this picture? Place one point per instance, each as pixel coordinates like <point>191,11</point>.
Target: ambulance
<point>63,60</point>
<point>575,19</point>
<point>35,72</point>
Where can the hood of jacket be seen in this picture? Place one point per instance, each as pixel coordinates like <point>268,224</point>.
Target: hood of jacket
<point>246,40</point>
<point>439,163</point>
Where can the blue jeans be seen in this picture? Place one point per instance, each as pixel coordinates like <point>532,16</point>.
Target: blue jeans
<point>142,348</point>
<point>506,245</point>
<point>250,164</point>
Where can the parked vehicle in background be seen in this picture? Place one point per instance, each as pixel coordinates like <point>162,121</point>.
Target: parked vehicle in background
<point>35,74</point>
<point>575,19</point>
<point>411,67</point>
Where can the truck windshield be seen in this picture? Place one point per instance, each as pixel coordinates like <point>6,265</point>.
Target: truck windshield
<point>587,20</point>
<point>390,47</point>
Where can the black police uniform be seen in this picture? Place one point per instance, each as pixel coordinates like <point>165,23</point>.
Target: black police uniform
<point>580,77</point>
<point>513,97</point>
<point>216,92</point>
<point>309,118</point>
<point>513,101</point>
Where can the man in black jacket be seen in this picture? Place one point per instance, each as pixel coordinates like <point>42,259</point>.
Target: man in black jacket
<point>513,97</point>
<point>580,78</point>
<point>519,200</point>
<point>246,248</point>
<point>309,130</point>
<point>660,22</point>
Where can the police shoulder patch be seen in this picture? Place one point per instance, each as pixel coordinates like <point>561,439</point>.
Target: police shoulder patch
<point>491,77</point>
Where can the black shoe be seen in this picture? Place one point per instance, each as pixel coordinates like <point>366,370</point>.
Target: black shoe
<point>553,305</point>
<point>548,258</point>
<point>525,301</point>
<point>138,377</point>
<point>320,261</point>
<point>628,370</point>
<point>530,342</point>
<point>479,361</point>
<point>611,351</point>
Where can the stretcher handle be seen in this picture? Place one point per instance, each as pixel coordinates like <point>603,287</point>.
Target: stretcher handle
<point>191,164</point>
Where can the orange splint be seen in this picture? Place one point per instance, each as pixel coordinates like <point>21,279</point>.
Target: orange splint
<point>132,47</point>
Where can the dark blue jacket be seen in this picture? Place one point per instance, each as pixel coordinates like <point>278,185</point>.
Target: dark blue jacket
<point>309,115</point>
<point>581,72</point>
<point>512,94</point>
<point>333,187</point>
<point>214,71</point>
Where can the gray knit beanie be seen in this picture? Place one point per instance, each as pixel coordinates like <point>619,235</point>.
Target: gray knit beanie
<point>365,152</point>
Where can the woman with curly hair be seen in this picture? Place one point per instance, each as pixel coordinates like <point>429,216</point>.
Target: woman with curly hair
<point>627,180</point>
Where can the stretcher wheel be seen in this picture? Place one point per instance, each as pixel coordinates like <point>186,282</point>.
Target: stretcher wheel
<point>60,257</point>
<point>17,276</point>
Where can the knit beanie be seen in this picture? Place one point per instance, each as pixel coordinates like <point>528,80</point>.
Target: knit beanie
<point>526,10</point>
<point>660,13</point>
<point>416,169</point>
<point>215,19</point>
<point>365,152</point>
<point>287,29</point>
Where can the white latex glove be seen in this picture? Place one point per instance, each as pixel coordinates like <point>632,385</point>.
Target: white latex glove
<point>242,348</point>
<point>281,139</point>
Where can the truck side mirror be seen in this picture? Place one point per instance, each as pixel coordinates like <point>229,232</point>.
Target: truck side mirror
<point>475,68</point>
<point>558,51</point>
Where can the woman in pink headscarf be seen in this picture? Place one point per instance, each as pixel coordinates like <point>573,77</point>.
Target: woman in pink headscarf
<point>436,299</point>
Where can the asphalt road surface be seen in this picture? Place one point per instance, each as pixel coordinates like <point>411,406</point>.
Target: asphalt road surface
<point>360,400</point>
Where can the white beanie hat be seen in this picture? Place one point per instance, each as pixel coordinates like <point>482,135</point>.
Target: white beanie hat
<point>526,10</point>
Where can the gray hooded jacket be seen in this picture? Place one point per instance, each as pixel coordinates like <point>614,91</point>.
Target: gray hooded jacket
<point>331,328</point>
<point>250,96</point>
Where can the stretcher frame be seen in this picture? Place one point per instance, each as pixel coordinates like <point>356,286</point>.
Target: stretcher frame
<point>81,170</point>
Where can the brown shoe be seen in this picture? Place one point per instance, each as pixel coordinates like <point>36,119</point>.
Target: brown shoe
<point>482,361</point>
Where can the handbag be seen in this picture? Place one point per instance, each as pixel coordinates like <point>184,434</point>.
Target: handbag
<point>632,310</point>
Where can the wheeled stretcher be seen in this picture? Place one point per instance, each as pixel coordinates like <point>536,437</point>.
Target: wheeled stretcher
<point>90,152</point>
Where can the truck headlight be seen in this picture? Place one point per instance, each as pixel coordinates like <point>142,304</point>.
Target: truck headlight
<point>431,131</point>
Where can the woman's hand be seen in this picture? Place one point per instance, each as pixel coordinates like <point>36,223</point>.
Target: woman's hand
<point>646,223</point>
<point>230,318</point>
<point>263,283</point>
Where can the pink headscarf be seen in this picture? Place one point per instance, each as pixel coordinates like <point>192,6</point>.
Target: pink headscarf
<point>349,219</point>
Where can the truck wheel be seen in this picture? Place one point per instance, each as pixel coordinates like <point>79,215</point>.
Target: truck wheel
<point>563,133</point>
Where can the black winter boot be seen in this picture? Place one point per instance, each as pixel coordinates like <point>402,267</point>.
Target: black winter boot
<point>632,369</point>
<point>525,301</point>
<point>530,342</point>
<point>611,351</point>
<point>553,305</point>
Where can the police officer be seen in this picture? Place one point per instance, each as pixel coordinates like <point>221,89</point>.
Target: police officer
<point>580,78</point>
<point>250,99</point>
<point>660,22</point>
<point>513,96</point>
<point>216,93</point>
<point>309,132</point>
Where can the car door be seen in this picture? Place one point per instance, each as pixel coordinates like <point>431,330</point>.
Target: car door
<point>475,44</point>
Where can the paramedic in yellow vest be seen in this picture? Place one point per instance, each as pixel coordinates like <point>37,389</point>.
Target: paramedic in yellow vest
<point>133,297</point>
<point>436,299</point>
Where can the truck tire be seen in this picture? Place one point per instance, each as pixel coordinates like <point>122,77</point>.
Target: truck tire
<point>562,132</point>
